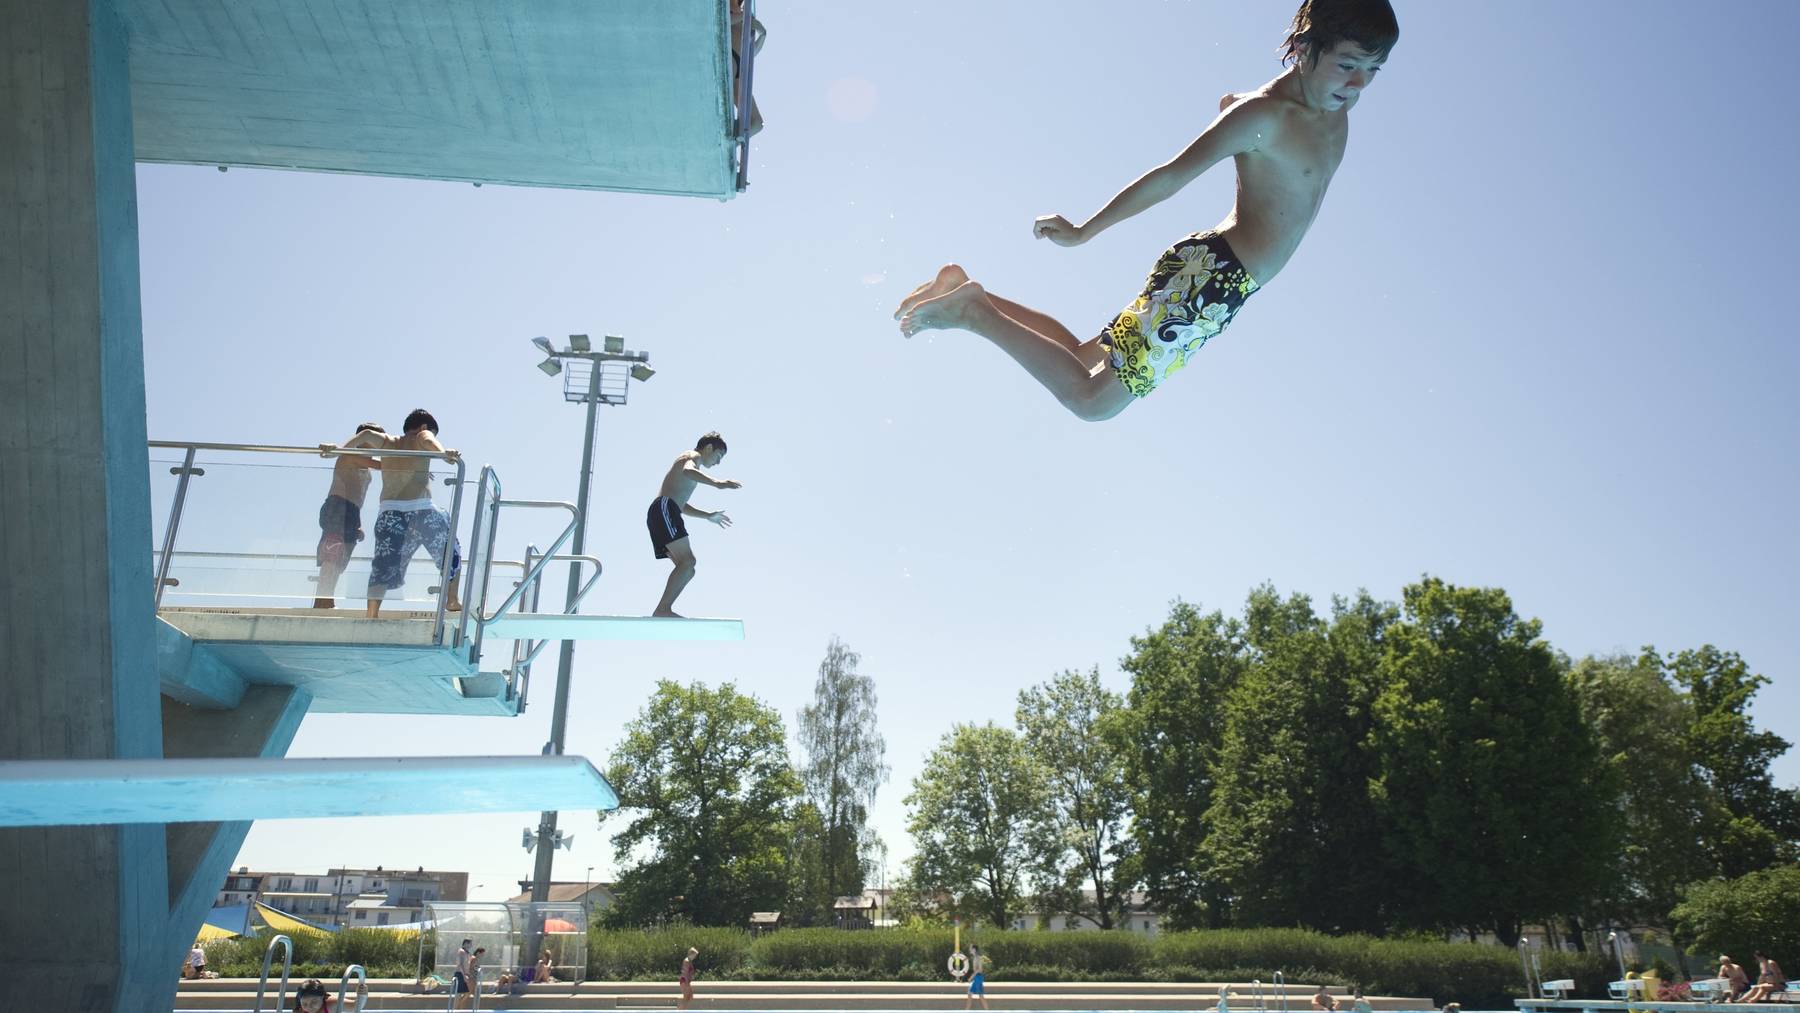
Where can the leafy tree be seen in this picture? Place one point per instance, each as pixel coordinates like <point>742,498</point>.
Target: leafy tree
<point>1659,800</point>
<point>1071,728</point>
<point>1761,823</point>
<point>809,896</point>
<point>1181,674</point>
<point>704,782</point>
<point>1485,770</point>
<point>1758,911</point>
<point>968,814</point>
<point>1292,832</point>
<point>843,766</point>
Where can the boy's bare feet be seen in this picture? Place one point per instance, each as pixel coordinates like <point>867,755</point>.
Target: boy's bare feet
<point>948,277</point>
<point>666,614</point>
<point>947,310</point>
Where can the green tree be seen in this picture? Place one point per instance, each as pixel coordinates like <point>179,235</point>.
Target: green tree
<point>705,787</point>
<point>843,765</point>
<point>1292,833</point>
<point>1639,720</point>
<point>1485,770</point>
<point>1071,726</point>
<point>968,814</point>
<point>1758,911</point>
<point>1181,674</point>
<point>1761,822</point>
<point>809,895</point>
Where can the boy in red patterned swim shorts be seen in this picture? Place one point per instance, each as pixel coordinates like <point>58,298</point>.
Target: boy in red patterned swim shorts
<point>1286,139</point>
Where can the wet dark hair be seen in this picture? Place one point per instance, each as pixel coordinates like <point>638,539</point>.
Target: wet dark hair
<point>419,418</point>
<point>371,427</point>
<point>311,986</point>
<point>710,438</point>
<point>1319,25</point>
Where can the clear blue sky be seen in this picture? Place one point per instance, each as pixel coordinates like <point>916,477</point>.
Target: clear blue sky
<point>1538,338</point>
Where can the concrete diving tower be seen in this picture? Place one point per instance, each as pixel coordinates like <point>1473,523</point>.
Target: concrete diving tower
<point>101,663</point>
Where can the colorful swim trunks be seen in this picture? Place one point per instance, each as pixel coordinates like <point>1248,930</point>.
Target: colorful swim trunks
<point>1195,289</point>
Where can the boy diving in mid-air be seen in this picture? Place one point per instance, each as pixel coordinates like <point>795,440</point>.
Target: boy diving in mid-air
<point>1287,139</point>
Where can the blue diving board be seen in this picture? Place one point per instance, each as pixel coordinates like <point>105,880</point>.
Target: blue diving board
<point>554,626</point>
<point>84,792</point>
<point>564,93</point>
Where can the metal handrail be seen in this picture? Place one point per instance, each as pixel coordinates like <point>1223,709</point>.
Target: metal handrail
<point>526,652</point>
<point>532,575</point>
<point>746,70</point>
<point>1280,983</point>
<point>362,990</point>
<point>287,964</point>
<point>187,470</point>
<point>1262,1001</point>
<point>481,537</point>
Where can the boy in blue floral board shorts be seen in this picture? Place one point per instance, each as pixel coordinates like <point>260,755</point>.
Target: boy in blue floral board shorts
<point>1286,139</point>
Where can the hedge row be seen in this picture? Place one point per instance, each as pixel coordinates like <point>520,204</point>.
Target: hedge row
<point>1442,970</point>
<point>1474,975</point>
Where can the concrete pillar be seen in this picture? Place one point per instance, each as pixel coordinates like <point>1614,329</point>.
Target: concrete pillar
<point>200,854</point>
<point>86,908</point>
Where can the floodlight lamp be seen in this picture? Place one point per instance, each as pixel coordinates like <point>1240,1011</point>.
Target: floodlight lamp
<point>614,343</point>
<point>544,345</point>
<point>550,367</point>
<point>529,840</point>
<point>579,342</point>
<point>642,372</point>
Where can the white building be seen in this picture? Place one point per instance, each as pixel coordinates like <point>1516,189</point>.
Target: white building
<point>337,897</point>
<point>1138,917</point>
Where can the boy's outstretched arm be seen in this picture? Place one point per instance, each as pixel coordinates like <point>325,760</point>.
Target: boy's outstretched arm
<point>704,479</point>
<point>1240,128</point>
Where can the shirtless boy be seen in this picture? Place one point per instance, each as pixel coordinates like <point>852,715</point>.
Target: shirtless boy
<point>408,520</point>
<point>1286,138</point>
<point>340,518</point>
<point>668,532</point>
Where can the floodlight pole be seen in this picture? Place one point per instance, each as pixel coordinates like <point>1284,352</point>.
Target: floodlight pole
<point>546,845</point>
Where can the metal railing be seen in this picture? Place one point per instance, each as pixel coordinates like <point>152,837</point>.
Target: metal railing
<point>362,988</point>
<point>745,70</point>
<point>518,671</point>
<point>466,630</point>
<point>287,964</point>
<point>187,471</point>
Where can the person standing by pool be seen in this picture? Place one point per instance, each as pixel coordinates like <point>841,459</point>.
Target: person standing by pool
<point>340,517</point>
<point>977,978</point>
<point>459,981</point>
<point>668,532</point>
<point>1286,139</point>
<point>686,980</point>
<point>408,520</point>
<point>1324,1000</point>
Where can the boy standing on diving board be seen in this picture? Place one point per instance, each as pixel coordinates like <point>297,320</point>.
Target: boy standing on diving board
<point>668,531</point>
<point>1286,137</point>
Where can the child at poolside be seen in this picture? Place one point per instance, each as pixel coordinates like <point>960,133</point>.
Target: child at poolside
<point>1286,138</point>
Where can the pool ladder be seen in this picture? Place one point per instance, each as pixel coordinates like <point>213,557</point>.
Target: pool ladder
<point>287,964</point>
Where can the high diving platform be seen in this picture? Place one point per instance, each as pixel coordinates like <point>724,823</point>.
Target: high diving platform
<point>563,93</point>
<point>85,792</point>
<point>240,629</point>
<point>235,599</point>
